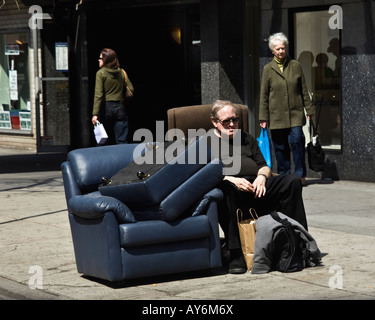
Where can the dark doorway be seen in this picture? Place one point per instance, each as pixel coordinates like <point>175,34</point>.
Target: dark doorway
<point>159,47</point>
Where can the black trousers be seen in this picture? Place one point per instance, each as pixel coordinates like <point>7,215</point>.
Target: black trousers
<point>283,193</point>
<point>115,121</point>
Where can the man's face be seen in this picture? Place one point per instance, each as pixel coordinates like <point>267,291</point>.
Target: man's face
<point>226,121</point>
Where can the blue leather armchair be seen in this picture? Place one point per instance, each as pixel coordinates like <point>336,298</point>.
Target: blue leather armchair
<point>116,241</point>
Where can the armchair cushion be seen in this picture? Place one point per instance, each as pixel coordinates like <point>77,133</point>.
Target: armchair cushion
<point>157,231</point>
<point>91,207</point>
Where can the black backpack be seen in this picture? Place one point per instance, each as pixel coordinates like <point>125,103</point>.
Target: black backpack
<point>287,248</point>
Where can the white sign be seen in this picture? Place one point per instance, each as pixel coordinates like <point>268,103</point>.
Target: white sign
<point>5,122</point>
<point>13,87</point>
<point>61,53</point>
<point>12,50</point>
<point>25,120</point>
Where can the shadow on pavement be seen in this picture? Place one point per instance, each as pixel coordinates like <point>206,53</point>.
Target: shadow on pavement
<point>31,162</point>
<point>160,279</point>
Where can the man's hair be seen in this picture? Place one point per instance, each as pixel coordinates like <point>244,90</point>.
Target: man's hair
<point>219,104</point>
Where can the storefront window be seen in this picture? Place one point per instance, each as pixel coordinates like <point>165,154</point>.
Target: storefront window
<point>14,83</point>
<point>317,48</point>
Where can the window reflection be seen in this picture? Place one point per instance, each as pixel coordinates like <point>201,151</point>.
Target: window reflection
<point>317,48</point>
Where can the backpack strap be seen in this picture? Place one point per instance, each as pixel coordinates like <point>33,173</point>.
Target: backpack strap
<point>284,222</point>
<point>292,243</point>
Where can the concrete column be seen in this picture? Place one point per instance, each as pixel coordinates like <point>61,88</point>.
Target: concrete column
<point>229,56</point>
<point>222,50</point>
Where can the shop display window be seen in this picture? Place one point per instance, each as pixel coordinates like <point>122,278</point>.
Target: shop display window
<point>14,82</point>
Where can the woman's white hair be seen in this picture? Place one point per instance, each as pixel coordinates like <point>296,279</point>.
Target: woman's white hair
<point>277,37</point>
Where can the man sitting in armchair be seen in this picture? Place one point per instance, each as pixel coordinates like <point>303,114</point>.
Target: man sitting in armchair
<point>253,187</point>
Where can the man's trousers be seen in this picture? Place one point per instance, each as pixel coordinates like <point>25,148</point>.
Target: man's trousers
<point>283,193</point>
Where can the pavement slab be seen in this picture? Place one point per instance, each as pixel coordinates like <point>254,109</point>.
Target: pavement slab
<point>36,244</point>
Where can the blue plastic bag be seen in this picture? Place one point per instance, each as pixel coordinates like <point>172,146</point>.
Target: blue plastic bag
<point>264,144</point>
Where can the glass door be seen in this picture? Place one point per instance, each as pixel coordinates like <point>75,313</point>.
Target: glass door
<point>317,48</point>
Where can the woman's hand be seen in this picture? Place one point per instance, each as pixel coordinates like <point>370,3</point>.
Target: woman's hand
<point>263,124</point>
<point>94,119</point>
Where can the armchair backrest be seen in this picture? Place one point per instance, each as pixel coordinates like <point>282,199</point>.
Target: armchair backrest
<point>197,117</point>
<point>89,165</point>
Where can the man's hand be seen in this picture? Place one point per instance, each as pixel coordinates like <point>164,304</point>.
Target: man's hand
<point>258,187</point>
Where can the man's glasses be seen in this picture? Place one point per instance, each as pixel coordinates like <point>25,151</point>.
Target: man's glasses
<point>227,122</point>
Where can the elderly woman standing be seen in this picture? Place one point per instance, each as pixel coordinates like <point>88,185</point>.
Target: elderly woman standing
<point>283,99</point>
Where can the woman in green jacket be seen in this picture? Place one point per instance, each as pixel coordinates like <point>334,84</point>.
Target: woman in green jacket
<point>284,98</point>
<point>109,97</point>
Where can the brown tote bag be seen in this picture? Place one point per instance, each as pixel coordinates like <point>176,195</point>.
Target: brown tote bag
<point>246,229</point>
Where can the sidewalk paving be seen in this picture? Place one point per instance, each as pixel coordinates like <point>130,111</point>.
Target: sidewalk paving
<point>35,240</point>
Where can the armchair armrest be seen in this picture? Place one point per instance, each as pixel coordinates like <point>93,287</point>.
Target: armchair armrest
<point>87,207</point>
<point>70,184</point>
<point>213,195</point>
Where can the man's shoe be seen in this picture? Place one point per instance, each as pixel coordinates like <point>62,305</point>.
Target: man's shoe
<point>237,266</point>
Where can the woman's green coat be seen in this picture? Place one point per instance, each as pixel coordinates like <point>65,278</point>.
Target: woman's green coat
<point>284,96</point>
